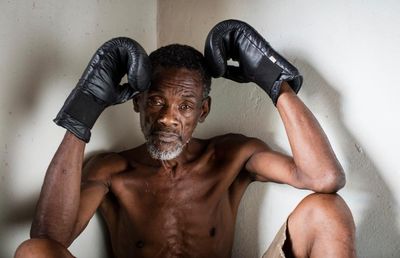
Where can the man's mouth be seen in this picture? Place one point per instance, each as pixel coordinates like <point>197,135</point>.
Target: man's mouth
<point>165,136</point>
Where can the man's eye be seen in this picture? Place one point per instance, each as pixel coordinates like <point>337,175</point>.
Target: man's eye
<point>185,107</point>
<point>154,102</point>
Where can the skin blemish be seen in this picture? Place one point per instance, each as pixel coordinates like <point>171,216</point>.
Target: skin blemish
<point>212,232</point>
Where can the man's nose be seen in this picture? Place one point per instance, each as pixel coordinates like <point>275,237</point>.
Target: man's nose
<point>168,117</point>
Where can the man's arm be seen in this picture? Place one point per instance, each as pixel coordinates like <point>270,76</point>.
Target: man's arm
<point>58,204</point>
<point>62,212</point>
<point>67,202</point>
<point>314,165</point>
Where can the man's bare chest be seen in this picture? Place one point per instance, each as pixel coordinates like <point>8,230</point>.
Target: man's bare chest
<point>173,213</point>
<point>187,188</point>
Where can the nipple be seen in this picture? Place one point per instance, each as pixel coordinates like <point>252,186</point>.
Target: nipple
<point>139,244</point>
<point>212,232</point>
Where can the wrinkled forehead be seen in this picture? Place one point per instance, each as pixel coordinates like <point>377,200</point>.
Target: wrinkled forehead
<point>177,80</point>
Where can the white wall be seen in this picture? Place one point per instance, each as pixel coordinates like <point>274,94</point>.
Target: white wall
<point>44,48</point>
<point>348,52</point>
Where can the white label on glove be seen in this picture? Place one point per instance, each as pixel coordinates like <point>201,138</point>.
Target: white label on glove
<point>273,60</point>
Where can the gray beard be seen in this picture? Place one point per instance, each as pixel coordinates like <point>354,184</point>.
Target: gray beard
<point>164,155</point>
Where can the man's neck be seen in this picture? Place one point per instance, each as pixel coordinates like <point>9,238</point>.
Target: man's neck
<point>189,152</point>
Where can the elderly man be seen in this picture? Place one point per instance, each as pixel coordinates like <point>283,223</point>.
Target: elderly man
<point>175,195</point>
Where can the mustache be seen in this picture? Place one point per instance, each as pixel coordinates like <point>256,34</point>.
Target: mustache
<point>165,131</point>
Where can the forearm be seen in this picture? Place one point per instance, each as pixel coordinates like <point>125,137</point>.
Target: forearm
<point>313,156</point>
<point>58,203</point>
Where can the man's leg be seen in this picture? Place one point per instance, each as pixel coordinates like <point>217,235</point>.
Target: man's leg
<point>43,248</point>
<point>322,226</point>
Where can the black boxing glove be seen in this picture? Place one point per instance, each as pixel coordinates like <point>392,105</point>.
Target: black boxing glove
<point>258,62</point>
<point>99,86</point>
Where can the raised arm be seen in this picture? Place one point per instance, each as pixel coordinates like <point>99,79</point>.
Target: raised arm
<point>67,202</point>
<point>317,167</point>
<point>314,165</point>
<point>58,204</point>
<point>71,195</point>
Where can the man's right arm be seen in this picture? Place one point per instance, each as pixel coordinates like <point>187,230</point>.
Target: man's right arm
<point>70,197</point>
<point>60,207</point>
<point>58,204</point>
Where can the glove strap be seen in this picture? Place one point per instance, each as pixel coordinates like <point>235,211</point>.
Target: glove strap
<point>266,76</point>
<point>79,113</point>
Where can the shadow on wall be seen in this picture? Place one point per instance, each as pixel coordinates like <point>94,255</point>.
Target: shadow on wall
<point>27,87</point>
<point>37,61</point>
<point>28,90</point>
<point>377,234</point>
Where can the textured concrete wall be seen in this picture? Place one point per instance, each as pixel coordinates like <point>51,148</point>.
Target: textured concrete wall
<point>348,53</point>
<point>44,48</point>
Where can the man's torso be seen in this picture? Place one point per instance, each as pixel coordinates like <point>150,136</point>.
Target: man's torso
<point>188,211</point>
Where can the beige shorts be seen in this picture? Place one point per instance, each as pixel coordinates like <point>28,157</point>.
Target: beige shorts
<point>275,250</point>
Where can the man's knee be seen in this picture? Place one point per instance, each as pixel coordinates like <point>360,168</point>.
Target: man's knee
<point>325,209</point>
<point>40,247</point>
<point>321,222</point>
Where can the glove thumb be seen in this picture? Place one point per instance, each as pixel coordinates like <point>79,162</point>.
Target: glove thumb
<point>126,92</point>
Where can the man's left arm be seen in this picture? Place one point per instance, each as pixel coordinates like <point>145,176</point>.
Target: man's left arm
<point>314,165</point>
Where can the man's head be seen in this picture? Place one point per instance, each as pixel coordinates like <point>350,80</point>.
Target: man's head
<point>176,100</point>
<point>182,56</point>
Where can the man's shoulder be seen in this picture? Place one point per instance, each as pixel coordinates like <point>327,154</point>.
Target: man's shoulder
<point>234,139</point>
<point>103,165</point>
<point>235,143</point>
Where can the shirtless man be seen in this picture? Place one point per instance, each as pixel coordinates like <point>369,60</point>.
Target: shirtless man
<point>178,196</point>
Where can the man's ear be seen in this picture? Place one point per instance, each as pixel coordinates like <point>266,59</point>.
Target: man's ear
<point>135,102</point>
<point>205,109</point>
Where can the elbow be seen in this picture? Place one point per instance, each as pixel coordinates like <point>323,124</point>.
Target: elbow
<point>331,182</point>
